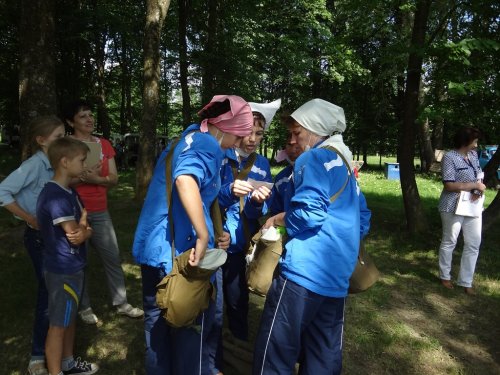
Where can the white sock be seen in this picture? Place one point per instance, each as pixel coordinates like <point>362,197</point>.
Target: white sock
<point>67,363</point>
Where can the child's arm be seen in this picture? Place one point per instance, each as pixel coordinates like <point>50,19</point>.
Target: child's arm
<point>16,210</point>
<point>77,233</point>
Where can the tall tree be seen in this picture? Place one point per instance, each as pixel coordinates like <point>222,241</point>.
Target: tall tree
<point>183,61</point>
<point>156,12</point>
<point>209,66</point>
<point>413,206</point>
<point>37,86</point>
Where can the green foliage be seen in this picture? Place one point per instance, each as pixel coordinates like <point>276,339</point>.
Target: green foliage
<point>353,53</point>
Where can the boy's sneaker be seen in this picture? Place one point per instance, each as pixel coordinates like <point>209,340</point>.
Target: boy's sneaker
<point>88,316</point>
<point>37,368</point>
<point>82,368</point>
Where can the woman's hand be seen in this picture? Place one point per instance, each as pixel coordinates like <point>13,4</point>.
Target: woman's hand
<point>32,222</point>
<point>92,175</point>
<point>198,252</point>
<point>480,186</point>
<point>224,241</point>
<point>261,194</point>
<point>241,188</point>
<point>277,220</point>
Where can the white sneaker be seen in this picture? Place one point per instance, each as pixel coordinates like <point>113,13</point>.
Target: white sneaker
<point>37,368</point>
<point>130,311</point>
<point>88,316</point>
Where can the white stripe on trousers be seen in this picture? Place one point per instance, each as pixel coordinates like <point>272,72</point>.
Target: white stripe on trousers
<point>271,329</point>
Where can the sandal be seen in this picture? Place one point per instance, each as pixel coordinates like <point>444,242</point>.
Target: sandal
<point>130,311</point>
<point>447,284</point>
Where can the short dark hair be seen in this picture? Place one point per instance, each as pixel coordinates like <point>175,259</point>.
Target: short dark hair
<point>65,147</point>
<point>72,108</point>
<point>465,136</point>
<point>257,116</point>
<point>215,109</point>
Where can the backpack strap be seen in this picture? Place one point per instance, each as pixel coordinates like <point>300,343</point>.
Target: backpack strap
<point>242,175</point>
<point>215,213</point>
<point>349,173</point>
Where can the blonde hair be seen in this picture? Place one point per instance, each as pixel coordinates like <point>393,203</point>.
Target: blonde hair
<point>65,147</point>
<point>42,127</point>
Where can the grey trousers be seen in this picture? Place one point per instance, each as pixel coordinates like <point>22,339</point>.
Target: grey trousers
<point>104,241</point>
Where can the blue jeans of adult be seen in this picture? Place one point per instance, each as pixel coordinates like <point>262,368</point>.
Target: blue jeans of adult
<point>298,325</point>
<point>34,244</point>
<point>104,242</point>
<point>172,351</point>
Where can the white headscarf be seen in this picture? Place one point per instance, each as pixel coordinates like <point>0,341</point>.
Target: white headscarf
<point>268,110</point>
<point>324,118</point>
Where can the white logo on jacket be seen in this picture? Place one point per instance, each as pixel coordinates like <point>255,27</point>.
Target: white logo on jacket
<point>333,163</point>
<point>257,170</point>
<point>188,140</point>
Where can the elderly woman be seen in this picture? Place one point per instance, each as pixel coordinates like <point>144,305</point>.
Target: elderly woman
<point>304,310</point>
<point>196,163</point>
<point>461,172</point>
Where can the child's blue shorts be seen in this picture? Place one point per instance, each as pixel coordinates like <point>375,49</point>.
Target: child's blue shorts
<point>64,296</point>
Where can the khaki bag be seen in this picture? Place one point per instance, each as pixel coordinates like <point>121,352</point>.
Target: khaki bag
<point>365,273</point>
<point>263,268</point>
<point>186,291</point>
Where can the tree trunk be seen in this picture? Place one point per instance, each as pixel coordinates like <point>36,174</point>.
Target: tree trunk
<point>413,206</point>
<point>156,11</point>
<point>492,214</point>
<point>102,112</point>
<point>490,171</point>
<point>183,63</point>
<point>208,80</point>
<point>37,86</point>
<point>426,150</point>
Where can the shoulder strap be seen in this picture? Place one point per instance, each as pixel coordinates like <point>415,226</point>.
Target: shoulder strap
<point>168,177</point>
<point>242,175</point>
<point>245,171</point>
<point>349,172</point>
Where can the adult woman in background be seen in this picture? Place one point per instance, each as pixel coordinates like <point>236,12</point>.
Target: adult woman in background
<point>460,172</point>
<point>196,163</point>
<point>93,189</point>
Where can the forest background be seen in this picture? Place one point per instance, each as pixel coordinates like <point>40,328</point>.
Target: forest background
<point>407,73</point>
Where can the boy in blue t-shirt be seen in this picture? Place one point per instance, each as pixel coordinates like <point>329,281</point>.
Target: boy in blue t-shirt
<point>64,229</point>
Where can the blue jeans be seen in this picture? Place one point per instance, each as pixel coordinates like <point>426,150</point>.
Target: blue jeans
<point>34,244</point>
<point>171,351</point>
<point>104,242</point>
<point>298,325</point>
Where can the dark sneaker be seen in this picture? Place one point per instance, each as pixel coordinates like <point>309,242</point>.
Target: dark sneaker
<point>82,368</point>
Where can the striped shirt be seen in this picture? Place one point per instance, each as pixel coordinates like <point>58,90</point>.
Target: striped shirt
<point>455,168</point>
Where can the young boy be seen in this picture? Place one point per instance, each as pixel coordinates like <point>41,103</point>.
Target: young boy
<point>64,229</point>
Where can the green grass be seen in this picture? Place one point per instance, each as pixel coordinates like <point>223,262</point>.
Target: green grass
<point>406,324</point>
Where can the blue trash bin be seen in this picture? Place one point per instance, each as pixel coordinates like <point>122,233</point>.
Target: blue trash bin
<point>391,171</point>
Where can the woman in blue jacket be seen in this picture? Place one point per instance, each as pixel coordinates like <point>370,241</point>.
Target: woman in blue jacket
<point>196,164</point>
<point>304,310</point>
<point>242,206</point>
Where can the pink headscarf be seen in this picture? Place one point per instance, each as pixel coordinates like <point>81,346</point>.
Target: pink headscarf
<point>237,121</point>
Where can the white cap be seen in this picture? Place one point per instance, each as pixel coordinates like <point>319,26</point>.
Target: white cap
<point>268,110</point>
<point>320,117</point>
